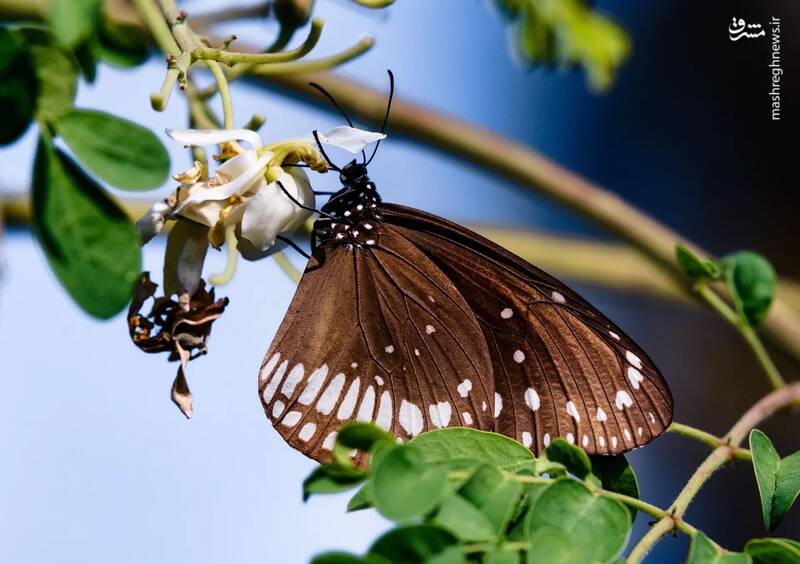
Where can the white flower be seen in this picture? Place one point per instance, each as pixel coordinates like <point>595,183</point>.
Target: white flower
<point>239,196</point>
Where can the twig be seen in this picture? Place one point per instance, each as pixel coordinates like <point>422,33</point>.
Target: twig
<point>707,438</point>
<point>768,405</point>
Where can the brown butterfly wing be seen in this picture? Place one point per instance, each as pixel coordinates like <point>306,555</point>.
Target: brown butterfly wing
<point>375,333</point>
<point>561,368</point>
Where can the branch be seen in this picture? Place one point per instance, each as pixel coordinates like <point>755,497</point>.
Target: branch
<point>768,405</point>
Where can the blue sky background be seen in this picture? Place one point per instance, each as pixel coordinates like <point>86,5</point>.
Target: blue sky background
<point>98,464</point>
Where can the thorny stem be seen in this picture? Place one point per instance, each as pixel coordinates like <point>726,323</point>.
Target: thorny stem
<point>707,438</point>
<point>745,330</point>
<point>768,405</point>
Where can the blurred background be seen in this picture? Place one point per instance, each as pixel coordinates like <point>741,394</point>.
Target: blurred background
<point>99,465</point>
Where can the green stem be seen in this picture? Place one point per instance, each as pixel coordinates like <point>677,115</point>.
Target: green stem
<point>316,65</point>
<point>224,92</point>
<point>765,407</point>
<point>160,99</point>
<point>707,438</point>
<point>745,330</point>
<point>154,20</point>
<point>374,3</point>
<point>287,267</point>
<point>231,58</point>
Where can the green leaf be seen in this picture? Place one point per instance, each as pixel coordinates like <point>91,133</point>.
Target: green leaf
<point>778,480</point>
<point>458,448</point>
<point>330,479</point>
<point>91,245</point>
<point>362,499</point>
<point>418,544</point>
<point>122,153</point>
<point>337,557</point>
<point>694,267</point>
<point>18,86</point>
<point>616,475</point>
<point>589,520</point>
<point>56,74</point>
<point>404,486</point>
<point>702,551</point>
<point>574,459</point>
<point>774,551</point>
<point>751,280</point>
<point>73,21</point>
<point>519,525</point>
<point>120,45</point>
<point>554,546</point>
<point>568,33</point>
<point>503,556</point>
<point>495,496</point>
<point>464,520</point>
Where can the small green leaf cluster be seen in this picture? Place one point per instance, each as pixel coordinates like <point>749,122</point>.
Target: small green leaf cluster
<point>90,243</point>
<point>749,277</point>
<point>462,495</point>
<point>566,33</point>
<point>759,551</point>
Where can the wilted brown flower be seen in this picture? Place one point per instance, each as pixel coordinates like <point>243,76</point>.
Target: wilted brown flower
<point>180,328</point>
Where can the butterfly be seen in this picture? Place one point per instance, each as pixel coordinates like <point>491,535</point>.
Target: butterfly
<point>414,323</point>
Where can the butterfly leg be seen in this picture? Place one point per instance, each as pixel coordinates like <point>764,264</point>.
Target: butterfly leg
<point>293,245</point>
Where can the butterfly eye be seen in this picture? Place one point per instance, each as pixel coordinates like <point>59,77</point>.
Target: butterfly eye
<point>342,178</point>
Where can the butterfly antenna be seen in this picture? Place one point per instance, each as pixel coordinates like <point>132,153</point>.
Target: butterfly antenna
<point>385,117</point>
<point>293,245</point>
<point>336,105</point>
<point>315,133</point>
<point>309,208</point>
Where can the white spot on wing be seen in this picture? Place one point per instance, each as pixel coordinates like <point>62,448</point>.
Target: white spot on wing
<point>467,418</point>
<point>277,408</point>
<point>546,439</point>
<point>633,359</point>
<point>384,417</point>
<point>634,377</point>
<point>558,297</point>
<point>410,418</point>
<point>571,438</point>
<point>639,431</point>
<point>622,400</point>
<point>614,335</point>
<point>440,414</point>
<point>506,313</point>
<point>652,417</point>
<point>291,419</point>
<point>327,444</point>
<point>614,442</point>
<point>627,434</point>
<point>367,405</point>
<point>273,384</point>
<point>389,349</point>
<point>307,432</point>
<point>313,385</point>
<point>348,404</point>
<point>601,415</point>
<point>527,440</point>
<point>329,397</point>
<point>498,405</point>
<point>416,352</point>
<point>585,441</point>
<point>573,411</point>
<point>484,406</point>
<point>464,387</point>
<point>295,375</point>
<point>519,356</point>
<point>601,441</point>
<point>354,365</point>
<point>378,380</point>
<point>429,329</point>
<point>532,399</point>
<point>269,366</point>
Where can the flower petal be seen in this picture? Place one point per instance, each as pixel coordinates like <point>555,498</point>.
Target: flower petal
<point>201,137</point>
<point>237,185</point>
<point>349,138</point>
<point>152,222</point>
<point>187,244</point>
<point>271,212</point>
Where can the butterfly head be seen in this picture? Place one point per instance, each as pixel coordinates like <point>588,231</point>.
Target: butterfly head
<point>353,173</point>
